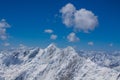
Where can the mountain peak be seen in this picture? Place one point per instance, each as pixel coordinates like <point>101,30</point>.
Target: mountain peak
<point>70,49</point>
<point>51,46</point>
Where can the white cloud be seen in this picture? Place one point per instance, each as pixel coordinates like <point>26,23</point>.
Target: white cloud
<point>48,31</point>
<point>90,43</point>
<point>53,37</point>
<point>85,20</point>
<point>68,14</point>
<point>3,26</point>
<point>111,44</point>
<point>3,37</point>
<point>80,20</point>
<point>72,37</point>
<point>6,44</point>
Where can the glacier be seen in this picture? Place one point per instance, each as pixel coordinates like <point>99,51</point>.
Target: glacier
<point>53,63</point>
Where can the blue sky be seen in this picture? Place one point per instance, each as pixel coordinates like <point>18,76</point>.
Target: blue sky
<point>28,20</point>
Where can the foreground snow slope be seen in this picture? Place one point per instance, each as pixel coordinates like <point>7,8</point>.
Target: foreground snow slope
<point>51,63</point>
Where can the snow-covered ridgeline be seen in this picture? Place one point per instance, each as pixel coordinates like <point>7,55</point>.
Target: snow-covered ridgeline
<point>51,63</point>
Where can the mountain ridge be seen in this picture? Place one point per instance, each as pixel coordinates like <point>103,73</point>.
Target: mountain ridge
<point>51,63</point>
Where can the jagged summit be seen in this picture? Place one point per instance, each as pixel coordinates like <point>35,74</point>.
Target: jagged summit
<point>51,63</point>
<point>51,45</point>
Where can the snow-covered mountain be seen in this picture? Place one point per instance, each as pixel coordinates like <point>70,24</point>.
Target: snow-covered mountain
<point>51,63</point>
<point>103,58</point>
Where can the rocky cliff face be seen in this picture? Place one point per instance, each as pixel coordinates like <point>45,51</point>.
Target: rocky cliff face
<point>51,63</point>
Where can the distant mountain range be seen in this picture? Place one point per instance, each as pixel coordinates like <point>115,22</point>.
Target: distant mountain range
<point>53,63</point>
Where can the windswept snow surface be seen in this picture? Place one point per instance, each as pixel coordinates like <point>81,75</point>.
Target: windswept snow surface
<point>52,63</point>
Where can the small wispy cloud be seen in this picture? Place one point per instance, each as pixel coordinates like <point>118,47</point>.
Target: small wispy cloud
<point>111,44</point>
<point>72,37</point>
<point>81,20</point>
<point>6,44</point>
<point>53,37</point>
<point>3,26</point>
<point>90,43</point>
<point>22,46</point>
<point>48,31</point>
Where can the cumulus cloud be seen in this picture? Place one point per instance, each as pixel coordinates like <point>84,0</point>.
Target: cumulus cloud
<point>72,37</point>
<point>53,37</point>
<point>3,26</point>
<point>80,20</point>
<point>68,14</point>
<point>90,43</point>
<point>48,31</point>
